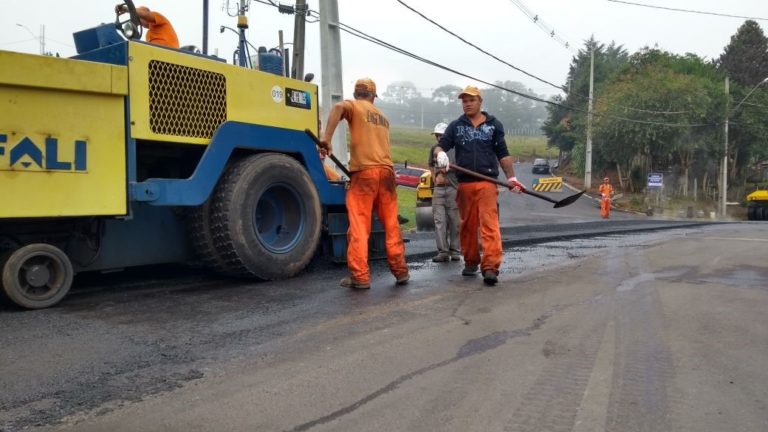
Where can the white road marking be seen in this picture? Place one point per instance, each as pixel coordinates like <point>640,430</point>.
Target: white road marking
<point>734,238</point>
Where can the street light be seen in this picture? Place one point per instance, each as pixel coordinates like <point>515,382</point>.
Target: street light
<point>728,113</point>
<point>749,94</point>
<point>40,38</point>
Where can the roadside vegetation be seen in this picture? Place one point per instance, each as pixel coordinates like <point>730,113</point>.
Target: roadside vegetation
<point>655,111</point>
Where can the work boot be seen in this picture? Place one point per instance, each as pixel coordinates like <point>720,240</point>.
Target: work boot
<point>348,282</point>
<point>489,277</point>
<point>402,279</point>
<point>441,258</point>
<point>469,270</point>
<point>456,257</point>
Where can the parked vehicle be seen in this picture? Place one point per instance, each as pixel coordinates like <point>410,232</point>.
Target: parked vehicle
<point>408,176</point>
<point>541,166</point>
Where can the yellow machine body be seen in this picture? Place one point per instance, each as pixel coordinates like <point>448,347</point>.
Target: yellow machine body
<point>163,107</point>
<point>62,140</point>
<point>759,195</point>
<point>424,189</point>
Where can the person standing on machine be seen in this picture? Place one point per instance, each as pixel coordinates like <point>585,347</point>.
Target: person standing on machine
<point>160,31</point>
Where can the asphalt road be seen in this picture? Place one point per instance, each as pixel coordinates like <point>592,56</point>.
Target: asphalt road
<point>517,209</point>
<point>657,331</point>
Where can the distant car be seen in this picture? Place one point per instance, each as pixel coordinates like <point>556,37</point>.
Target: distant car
<point>540,166</point>
<point>408,176</point>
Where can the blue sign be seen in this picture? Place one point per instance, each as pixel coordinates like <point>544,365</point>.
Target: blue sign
<point>655,179</point>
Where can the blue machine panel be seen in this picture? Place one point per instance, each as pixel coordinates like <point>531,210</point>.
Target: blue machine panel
<point>229,136</point>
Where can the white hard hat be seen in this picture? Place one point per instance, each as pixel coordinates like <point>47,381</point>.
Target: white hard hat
<point>440,128</point>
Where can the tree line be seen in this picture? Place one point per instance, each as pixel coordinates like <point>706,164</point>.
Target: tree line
<point>655,111</point>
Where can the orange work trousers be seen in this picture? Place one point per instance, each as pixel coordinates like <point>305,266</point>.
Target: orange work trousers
<point>373,188</point>
<point>605,207</point>
<point>477,207</point>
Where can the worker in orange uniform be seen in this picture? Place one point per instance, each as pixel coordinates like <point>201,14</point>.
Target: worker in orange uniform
<point>160,31</point>
<point>372,184</point>
<point>606,190</point>
<point>478,138</point>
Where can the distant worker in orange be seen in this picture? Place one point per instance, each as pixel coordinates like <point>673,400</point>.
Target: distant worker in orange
<point>160,31</point>
<point>606,190</point>
<point>372,184</point>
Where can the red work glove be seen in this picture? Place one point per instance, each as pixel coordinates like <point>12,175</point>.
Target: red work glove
<point>514,185</point>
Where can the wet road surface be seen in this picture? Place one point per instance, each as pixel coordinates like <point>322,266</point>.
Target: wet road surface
<point>648,332</point>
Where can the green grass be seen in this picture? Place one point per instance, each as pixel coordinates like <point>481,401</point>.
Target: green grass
<point>413,145</point>
<point>406,207</point>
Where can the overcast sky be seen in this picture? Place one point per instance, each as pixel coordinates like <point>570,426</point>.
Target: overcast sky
<point>498,26</point>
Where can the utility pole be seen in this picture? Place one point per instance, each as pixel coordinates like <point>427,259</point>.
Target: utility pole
<point>205,27</point>
<point>588,164</point>
<point>330,62</point>
<point>42,39</point>
<point>297,70</point>
<point>724,170</point>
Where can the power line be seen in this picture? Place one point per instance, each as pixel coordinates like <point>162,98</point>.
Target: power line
<point>357,33</point>
<point>478,48</point>
<point>688,10</point>
<point>18,41</point>
<point>523,71</point>
<point>542,25</point>
<point>362,35</point>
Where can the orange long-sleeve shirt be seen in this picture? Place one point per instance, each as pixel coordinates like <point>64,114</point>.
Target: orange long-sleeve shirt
<point>161,32</point>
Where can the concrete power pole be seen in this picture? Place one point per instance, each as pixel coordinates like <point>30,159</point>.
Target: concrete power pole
<point>297,70</point>
<point>724,170</point>
<point>330,62</point>
<point>205,27</point>
<point>42,39</point>
<point>588,164</point>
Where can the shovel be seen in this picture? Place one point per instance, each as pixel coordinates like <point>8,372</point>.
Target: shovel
<point>562,203</point>
<point>330,155</point>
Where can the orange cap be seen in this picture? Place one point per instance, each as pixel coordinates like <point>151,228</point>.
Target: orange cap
<point>470,91</point>
<point>364,85</point>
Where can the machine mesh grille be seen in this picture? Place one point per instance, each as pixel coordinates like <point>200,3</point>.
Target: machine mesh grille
<point>185,101</point>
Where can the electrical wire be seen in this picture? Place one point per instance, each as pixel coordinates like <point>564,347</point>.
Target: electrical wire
<point>542,25</point>
<point>362,35</point>
<point>18,41</point>
<point>478,48</point>
<point>586,98</point>
<point>688,10</point>
<point>357,33</point>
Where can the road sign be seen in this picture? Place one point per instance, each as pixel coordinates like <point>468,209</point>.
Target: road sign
<point>655,179</point>
<point>548,184</point>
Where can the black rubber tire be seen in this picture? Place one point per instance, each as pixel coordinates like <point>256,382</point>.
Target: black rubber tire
<point>425,221</point>
<point>761,214</point>
<point>200,233</point>
<point>51,266</point>
<point>278,240</point>
<point>752,213</point>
